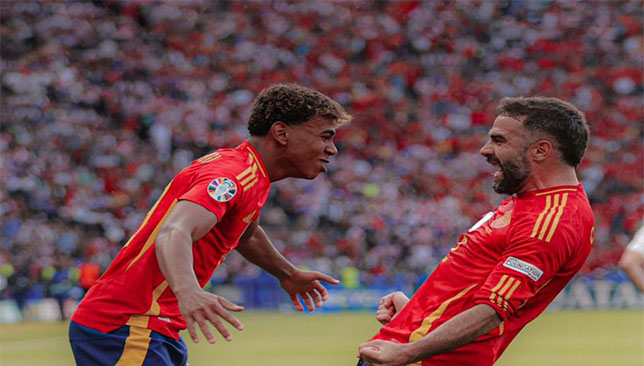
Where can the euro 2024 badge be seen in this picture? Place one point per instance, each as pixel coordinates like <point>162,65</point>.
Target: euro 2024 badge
<point>222,189</point>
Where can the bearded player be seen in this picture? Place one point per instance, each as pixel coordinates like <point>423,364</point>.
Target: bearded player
<point>133,314</point>
<point>507,268</point>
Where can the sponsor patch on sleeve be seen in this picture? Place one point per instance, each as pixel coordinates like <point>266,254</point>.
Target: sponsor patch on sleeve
<point>222,189</point>
<point>526,268</point>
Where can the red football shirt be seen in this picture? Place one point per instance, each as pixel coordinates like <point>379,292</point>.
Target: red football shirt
<point>515,259</point>
<point>231,183</point>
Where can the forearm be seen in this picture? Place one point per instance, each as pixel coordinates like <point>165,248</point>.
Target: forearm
<point>635,272</point>
<point>460,330</point>
<point>174,254</point>
<point>258,249</point>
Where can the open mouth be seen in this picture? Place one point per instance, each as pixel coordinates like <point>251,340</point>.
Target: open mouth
<point>496,164</point>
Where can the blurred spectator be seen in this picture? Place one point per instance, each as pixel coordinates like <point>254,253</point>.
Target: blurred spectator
<point>103,102</point>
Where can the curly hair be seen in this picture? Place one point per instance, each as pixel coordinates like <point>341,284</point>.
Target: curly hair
<point>292,104</point>
<point>553,117</point>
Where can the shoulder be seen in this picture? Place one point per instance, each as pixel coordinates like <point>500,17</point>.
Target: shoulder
<point>240,165</point>
<point>562,213</point>
<point>229,159</point>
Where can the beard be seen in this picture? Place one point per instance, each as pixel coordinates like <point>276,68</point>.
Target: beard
<point>514,173</point>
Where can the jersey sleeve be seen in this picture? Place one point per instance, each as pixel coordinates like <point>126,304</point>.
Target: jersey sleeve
<point>215,188</point>
<point>525,267</point>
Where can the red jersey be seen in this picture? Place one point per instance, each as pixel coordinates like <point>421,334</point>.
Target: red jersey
<point>515,259</point>
<point>231,183</point>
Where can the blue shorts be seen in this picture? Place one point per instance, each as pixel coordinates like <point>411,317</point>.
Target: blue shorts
<point>126,346</point>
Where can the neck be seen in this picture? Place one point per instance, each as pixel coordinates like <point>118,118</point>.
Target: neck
<point>564,176</point>
<point>269,153</point>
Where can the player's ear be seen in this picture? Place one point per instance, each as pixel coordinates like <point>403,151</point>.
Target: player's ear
<point>280,132</point>
<point>541,149</point>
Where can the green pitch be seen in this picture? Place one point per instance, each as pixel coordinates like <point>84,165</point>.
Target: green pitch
<point>587,338</point>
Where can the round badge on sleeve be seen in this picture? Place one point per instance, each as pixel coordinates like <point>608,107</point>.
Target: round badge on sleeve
<point>222,189</point>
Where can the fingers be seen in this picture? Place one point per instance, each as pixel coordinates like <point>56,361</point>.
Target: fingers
<point>219,325</point>
<point>296,303</point>
<point>203,324</point>
<point>317,298</point>
<point>307,301</point>
<point>328,279</point>
<point>372,345</point>
<point>322,290</point>
<point>225,304</point>
<point>399,300</point>
<point>191,329</point>
<point>385,302</point>
<point>384,316</point>
<point>229,305</point>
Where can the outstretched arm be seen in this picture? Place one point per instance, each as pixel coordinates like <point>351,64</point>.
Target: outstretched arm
<point>257,248</point>
<point>458,331</point>
<point>187,223</point>
<point>632,263</point>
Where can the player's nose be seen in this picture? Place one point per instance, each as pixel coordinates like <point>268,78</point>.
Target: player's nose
<point>331,149</point>
<point>486,150</point>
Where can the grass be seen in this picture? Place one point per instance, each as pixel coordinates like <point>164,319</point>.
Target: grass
<point>587,338</point>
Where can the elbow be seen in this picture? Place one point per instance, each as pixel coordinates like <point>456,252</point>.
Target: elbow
<point>628,261</point>
<point>494,319</point>
<point>170,232</point>
<point>490,317</point>
<point>165,233</point>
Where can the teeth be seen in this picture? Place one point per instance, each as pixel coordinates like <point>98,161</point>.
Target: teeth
<point>498,174</point>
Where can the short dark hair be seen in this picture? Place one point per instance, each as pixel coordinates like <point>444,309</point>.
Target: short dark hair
<point>292,104</point>
<point>554,117</point>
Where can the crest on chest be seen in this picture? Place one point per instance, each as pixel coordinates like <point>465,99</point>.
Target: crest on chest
<point>502,221</point>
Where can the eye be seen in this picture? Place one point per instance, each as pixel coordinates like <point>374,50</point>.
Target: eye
<point>497,140</point>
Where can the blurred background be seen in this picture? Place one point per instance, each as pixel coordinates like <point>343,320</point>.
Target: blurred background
<point>103,102</point>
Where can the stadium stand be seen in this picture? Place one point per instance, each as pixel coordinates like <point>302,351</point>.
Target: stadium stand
<point>103,102</point>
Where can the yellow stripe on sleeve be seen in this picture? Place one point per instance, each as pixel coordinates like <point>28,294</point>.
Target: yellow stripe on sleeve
<point>546,222</point>
<point>514,288</point>
<point>250,176</point>
<point>555,223</point>
<point>252,183</point>
<point>261,170</point>
<point>507,285</point>
<point>208,158</point>
<point>541,215</point>
<point>244,173</point>
<point>498,285</point>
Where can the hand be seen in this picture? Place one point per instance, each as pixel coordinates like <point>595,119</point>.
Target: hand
<point>383,353</point>
<point>307,285</point>
<point>200,307</point>
<point>389,306</point>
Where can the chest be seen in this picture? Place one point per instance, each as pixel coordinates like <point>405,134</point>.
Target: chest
<point>235,222</point>
<point>486,240</point>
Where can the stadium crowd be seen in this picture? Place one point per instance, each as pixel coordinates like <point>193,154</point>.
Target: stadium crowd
<point>103,102</point>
